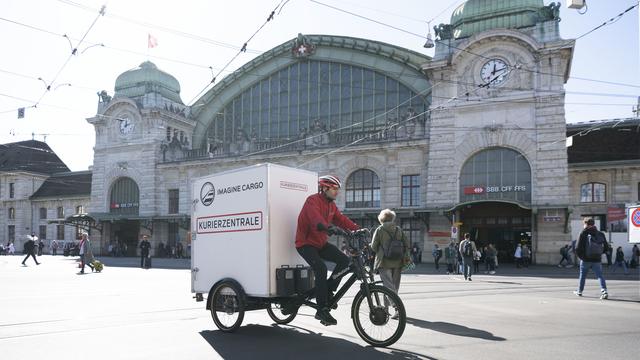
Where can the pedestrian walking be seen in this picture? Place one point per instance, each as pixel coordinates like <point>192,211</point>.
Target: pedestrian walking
<point>389,263</point>
<point>635,257</point>
<point>415,252</point>
<point>517,255</point>
<point>467,250</point>
<point>476,261</point>
<point>589,248</point>
<point>144,250</point>
<point>12,249</point>
<point>450,254</point>
<point>609,254</point>
<point>620,262</point>
<point>40,245</point>
<point>526,256</point>
<point>54,247</point>
<point>85,252</point>
<point>490,258</point>
<point>30,250</point>
<point>437,254</point>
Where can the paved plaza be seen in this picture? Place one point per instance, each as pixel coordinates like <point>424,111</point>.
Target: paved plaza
<point>48,311</point>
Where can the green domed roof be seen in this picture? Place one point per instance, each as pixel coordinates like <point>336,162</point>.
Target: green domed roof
<point>475,16</point>
<point>147,78</point>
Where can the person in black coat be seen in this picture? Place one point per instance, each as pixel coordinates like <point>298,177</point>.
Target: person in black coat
<point>145,246</point>
<point>29,249</point>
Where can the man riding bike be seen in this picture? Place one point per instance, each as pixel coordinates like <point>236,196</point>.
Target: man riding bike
<point>317,220</point>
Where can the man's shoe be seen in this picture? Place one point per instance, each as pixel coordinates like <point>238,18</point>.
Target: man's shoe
<point>604,295</point>
<point>325,318</point>
<point>577,293</point>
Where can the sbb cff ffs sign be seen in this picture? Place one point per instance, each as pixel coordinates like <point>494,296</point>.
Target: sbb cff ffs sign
<point>474,190</point>
<point>477,190</point>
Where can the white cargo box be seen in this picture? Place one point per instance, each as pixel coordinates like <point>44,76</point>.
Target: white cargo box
<point>243,225</point>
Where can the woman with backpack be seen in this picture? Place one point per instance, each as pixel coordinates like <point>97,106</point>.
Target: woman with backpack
<point>392,251</point>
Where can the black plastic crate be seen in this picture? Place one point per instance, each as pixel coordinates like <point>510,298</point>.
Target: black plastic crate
<point>304,278</point>
<point>285,281</point>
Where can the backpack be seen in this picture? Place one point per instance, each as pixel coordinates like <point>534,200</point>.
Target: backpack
<point>595,245</point>
<point>396,249</point>
<point>467,249</point>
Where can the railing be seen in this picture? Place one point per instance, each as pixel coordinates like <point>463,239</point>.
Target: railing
<point>309,142</point>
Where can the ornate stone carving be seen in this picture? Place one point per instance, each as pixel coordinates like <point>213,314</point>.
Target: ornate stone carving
<point>302,47</point>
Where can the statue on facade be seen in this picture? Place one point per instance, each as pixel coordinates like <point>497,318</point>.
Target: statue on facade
<point>444,31</point>
<point>103,97</point>
<point>410,123</point>
<point>550,12</point>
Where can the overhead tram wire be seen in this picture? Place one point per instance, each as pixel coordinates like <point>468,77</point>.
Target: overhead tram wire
<point>242,49</point>
<point>162,28</point>
<point>73,52</point>
<point>250,73</point>
<point>465,50</point>
<point>609,22</point>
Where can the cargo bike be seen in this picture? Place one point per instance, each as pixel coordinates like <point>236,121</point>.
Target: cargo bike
<point>377,313</point>
<point>242,228</point>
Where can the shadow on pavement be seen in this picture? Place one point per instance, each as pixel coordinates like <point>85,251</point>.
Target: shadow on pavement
<point>286,342</point>
<point>454,329</point>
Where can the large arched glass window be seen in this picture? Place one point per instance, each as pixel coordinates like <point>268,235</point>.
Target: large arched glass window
<point>125,197</point>
<point>496,174</point>
<point>315,96</point>
<point>363,190</point>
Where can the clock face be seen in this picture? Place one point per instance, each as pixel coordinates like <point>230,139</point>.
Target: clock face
<point>494,72</point>
<point>126,125</point>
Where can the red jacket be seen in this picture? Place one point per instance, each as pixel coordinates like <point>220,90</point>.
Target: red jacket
<point>318,209</point>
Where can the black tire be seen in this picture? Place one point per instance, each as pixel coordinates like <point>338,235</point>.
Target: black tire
<point>278,317</point>
<point>369,321</point>
<point>227,306</point>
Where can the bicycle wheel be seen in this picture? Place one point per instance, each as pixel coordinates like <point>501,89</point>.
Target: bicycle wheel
<point>275,313</point>
<point>227,306</point>
<point>383,323</point>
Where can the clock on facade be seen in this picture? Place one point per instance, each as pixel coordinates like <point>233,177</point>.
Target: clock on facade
<point>494,72</point>
<point>126,125</point>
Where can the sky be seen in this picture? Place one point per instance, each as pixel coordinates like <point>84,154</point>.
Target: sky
<point>32,47</point>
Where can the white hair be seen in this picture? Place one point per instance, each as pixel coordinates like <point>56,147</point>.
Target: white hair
<point>386,215</point>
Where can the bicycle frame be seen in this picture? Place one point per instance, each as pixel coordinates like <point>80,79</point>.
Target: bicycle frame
<point>357,270</point>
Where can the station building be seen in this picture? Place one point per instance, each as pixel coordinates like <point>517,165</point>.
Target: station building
<point>472,140</point>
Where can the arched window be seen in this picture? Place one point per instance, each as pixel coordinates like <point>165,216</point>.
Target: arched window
<point>593,192</point>
<point>12,214</point>
<point>363,190</point>
<point>496,174</point>
<point>125,197</point>
<point>313,97</point>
